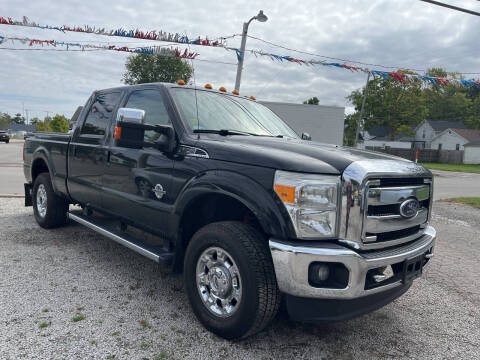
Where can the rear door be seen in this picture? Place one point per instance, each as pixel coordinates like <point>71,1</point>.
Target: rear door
<point>137,182</point>
<point>87,155</point>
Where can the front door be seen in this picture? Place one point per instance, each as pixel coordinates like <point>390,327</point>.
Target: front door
<point>137,182</point>
<point>87,152</point>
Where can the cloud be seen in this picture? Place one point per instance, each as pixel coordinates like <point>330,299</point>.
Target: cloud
<point>407,34</point>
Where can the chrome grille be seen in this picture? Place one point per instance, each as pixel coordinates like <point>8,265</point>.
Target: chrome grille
<point>372,193</point>
<point>390,198</point>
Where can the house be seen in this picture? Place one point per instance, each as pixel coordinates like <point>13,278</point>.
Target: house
<point>454,139</point>
<point>472,152</point>
<point>323,123</point>
<point>378,136</point>
<point>18,130</point>
<point>427,130</point>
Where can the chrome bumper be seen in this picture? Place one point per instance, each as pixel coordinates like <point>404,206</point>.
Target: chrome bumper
<point>292,262</point>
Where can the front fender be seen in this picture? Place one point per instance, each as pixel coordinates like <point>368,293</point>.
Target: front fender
<point>262,202</point>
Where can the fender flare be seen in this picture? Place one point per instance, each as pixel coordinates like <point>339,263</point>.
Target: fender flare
<point>264,204</point>
<point>41,153</point>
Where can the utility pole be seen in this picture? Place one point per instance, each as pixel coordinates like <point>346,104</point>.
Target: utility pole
<point>26,114</point>
<point>260,17</point>
<point>362,110</point>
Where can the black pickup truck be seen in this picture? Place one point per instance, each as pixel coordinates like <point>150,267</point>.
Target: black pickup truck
<point>216,186</point>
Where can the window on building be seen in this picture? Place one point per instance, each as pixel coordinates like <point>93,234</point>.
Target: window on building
<point>100,113</point>
<point>439,146</point>
<point>457,147</point>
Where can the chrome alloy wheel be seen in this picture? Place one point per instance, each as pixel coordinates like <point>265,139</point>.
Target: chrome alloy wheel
<point>41,200</point>
<point>219,282</point>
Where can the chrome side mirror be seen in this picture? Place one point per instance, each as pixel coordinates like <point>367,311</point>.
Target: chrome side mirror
<point>306,136</point>
<point>129,115</point>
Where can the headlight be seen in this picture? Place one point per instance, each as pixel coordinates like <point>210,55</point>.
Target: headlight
<point>311,200</point>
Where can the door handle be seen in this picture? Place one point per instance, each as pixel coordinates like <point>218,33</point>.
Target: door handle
<point>108,156</point>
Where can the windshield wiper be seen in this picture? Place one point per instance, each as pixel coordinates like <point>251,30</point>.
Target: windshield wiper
<point>223,132</point>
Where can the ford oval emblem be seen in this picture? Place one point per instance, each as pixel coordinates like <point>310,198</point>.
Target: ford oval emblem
<point>409,208</point>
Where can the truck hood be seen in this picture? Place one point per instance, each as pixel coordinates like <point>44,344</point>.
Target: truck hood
<point>285,154</point>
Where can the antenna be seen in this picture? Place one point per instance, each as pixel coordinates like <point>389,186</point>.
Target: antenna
<point>194,89</point>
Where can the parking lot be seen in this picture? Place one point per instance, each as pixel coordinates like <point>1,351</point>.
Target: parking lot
<point>71,293</point>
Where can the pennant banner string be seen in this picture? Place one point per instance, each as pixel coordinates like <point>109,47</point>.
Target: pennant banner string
<point>136,34</point>
<point>401,77</point>
<point>153,50</point>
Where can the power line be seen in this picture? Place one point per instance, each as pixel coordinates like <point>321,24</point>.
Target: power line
<point>344,60</point>
<point>452,7</point>
<point>16,49</point>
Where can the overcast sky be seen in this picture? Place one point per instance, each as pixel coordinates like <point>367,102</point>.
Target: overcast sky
<point>403,33</point>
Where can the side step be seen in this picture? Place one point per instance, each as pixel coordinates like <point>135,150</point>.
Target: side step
<point>156,254</point>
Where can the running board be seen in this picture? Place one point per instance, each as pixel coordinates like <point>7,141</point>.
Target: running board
<point>158,255</point>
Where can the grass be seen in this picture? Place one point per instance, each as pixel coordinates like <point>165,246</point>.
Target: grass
<point>43,325</point>
<point>78,317</point>
<point>472,201</point>
<point>469,168</point>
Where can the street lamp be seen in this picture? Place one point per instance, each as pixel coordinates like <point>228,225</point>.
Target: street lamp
<point>260,17</point>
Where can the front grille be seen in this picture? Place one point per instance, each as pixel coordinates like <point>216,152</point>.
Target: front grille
<point>383,221</point>
<point>392,235</point>
<point>387,182</point>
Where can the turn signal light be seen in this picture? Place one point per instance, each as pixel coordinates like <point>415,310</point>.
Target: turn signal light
<point>253,97</point>
<point>180,82</point>
<point>235,92</point>
<point>222,89</point>
<point>118,133</point>
<point>208,86</point>
<point>286,193</point>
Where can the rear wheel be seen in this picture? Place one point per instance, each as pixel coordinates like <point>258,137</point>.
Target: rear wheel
<point>49,209</point>
<point>230,280</point>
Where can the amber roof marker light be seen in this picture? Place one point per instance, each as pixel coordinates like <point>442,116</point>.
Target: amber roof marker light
<point>222,88</point>
<point>235,92</point>
<point>253,98</point>
<point>180,82</point>
<point>208,86</point>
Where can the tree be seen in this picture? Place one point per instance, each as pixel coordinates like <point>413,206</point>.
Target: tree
<point>398,106</point>
<point>42,126</point>
<point>59,123</point>
<point>312,101</point>
<point>18,119</point>
<point>144,68</point>
<point>5,120</point>
<point>34,120</point>
<point>448,102</point>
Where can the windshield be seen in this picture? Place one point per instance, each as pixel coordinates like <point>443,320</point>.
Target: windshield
<point>225,112</point>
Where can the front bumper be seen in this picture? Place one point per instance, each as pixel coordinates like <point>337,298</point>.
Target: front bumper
<point>292,260</point>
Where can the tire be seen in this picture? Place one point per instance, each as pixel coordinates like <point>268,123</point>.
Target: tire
<point>259,299</point>
<point>53,213</point>
<point>7,141</point>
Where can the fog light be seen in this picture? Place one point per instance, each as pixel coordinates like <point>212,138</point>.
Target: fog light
<point>328,275</point>
<point>319,272</point>
<point>323,272</point>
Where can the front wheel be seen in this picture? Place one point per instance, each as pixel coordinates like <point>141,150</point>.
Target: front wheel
<point>230,279</point>
<point>49,209</point>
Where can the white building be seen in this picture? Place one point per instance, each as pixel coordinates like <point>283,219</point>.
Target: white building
<point>427,130</point>
<point>323,123</point>
<point>454,139</point>
<point>472,152</point>
<point>378,137</point>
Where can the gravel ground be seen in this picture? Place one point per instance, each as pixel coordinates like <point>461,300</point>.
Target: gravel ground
<point>128,309</point>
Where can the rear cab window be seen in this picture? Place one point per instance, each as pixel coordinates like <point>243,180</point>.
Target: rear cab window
<point>101,113</point>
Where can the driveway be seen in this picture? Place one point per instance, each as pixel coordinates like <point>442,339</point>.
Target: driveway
<point>450,184</point>
<point>127,308</point>
<point>11,168</point>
